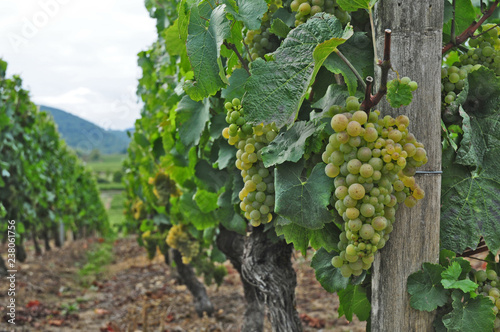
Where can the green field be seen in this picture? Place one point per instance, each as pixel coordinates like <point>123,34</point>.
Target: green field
<point>105,168</point>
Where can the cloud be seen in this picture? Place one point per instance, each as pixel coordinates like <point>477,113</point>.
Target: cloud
<point>83,59</point>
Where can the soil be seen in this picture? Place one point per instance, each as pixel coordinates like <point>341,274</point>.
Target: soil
<point>136,294</point>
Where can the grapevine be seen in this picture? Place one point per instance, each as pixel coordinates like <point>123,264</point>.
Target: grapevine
<point>308,8</point>
<point>373,161</point>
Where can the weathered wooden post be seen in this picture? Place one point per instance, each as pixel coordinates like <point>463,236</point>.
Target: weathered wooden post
<point>416,52</point>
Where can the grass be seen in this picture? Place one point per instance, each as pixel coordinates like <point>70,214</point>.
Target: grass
<point>115,212</point>
<point>97,258</point>
<point>108,163</point>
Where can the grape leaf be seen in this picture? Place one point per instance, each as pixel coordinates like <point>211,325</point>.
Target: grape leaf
<point>359,52</point>
<point>398,94</point>
<point>354,300</point>
<point>473,144</point>
<point>203,45</point>
<point>236,87</point>
<point>192,213</point>
<point>471,197</point>
<point>328,276</point>
<point>288,145</point>
<point>326,237</point>
<point>276,89</point>
<point>279,28</point>
<point>353,5</point>
<point>451,279</point>
<point>248,12</point>
<point>464,16</point>
<point>226,154</point>
<point>302,201</point>
<point>191,119</point>
<point>206,200</point>
<point>426,291</point>
<point>472,315</point>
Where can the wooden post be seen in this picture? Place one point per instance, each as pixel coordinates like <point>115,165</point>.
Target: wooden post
<point>416,52</point>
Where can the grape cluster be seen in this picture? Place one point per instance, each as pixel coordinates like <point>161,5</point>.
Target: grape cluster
<point>262,41</point>
<point>138,210</point>
<point>485,49</point>
<point>489,286</point>
<point>164,187</point>
<point>308,8</point>
<point>257,196</point>
<point>372,160</point>
<point>178,238</point>
<point>452,81</point>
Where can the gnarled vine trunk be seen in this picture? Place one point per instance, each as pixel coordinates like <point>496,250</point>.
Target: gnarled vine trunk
<point>267,266</point>
<point>416,52</point>
<point>202,303</point>
<point>232,245</point>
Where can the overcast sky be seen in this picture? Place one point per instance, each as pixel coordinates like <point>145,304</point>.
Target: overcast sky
<point>78,55</point>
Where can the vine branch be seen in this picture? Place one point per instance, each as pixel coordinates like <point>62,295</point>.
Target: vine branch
<point>469,32</point>
<point>372,100</point>
<point>235,50</point>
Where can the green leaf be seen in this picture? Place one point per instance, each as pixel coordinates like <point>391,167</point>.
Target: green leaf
<point>354,300</point>
<point>359,52</point>
<point>450,279</point>
<point>472,315</point>
<point>425,288</point>
<point>226,154</point>
<point>335,95</point>
<point>173,42</point>
<point>191,119</point>
<point>276,89</point>
<point>289,145</point>
<point>398,94</point>
<point>464,16</point>
<point>295,234</point>
<point>473,144</point>
<point>203,48</point>
<point>279,28</point>
<point>471,197</point>
<point>303,201</point>
<point>249,12</point>
<point>353,5</point>
<point>141,140</point>
<point>236,87</point>
<point>206,200</point>
<point>327,237</point>
<point>192,213</point>
<point>328,276</point>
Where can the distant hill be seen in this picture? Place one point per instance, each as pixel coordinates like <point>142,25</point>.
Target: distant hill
<point>85,136</point>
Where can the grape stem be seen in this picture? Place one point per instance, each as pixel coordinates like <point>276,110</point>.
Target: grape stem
<point>235,50</point>
<point>469,32</point>
<point>351,67</point>
<point>372,100</point>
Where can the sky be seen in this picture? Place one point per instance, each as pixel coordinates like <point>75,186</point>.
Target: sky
<point>78,55</point>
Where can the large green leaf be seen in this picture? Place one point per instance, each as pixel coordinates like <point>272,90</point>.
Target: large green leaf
<point>300,200</point>
<point>249,12</point>
<point>276,89</point>
<point>470,315</point>
<point>328,276</point>
<point>288,146</point>
<point>354,300</point>
<point>425,288</point>
<point>464,16</point>
<point>206,200</point>
<point>203,44</point>
<point>471,197</point>
<point>359,52</point>
<point>191,119</point>
<point>353,5</point>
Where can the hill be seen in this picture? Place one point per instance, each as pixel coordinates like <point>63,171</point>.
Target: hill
<point>85,136</point>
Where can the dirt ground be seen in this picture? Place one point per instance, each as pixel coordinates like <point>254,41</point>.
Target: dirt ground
<point>135,294</point>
